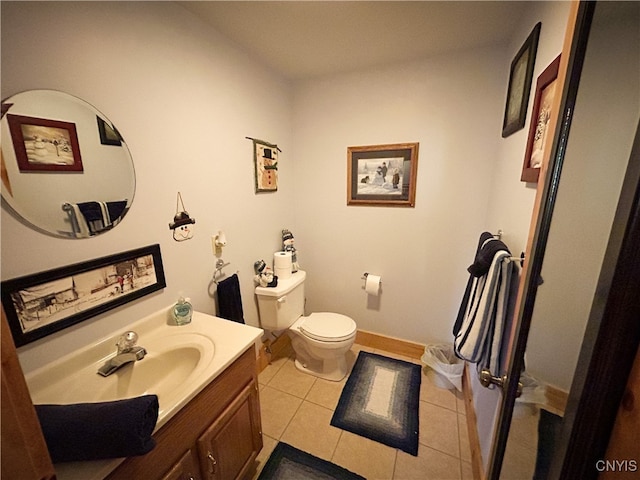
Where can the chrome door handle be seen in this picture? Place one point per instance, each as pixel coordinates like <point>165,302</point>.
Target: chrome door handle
<point>486,380</point>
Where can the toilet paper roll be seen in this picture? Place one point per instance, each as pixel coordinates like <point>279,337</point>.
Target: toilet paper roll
<point>282,265</point>
<point>372,285</point>
<point>282,273</point>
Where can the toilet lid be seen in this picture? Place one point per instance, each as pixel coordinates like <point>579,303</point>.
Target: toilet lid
<point>328,327</point>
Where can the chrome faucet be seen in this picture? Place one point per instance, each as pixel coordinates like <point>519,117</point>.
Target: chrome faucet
<point>127,352</point>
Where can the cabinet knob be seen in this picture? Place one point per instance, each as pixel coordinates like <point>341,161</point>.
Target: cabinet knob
<point>212,462</point>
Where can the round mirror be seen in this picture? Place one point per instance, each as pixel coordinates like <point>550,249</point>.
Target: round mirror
<point>66,171</point>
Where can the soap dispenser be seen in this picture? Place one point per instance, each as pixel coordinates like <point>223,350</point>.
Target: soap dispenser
<point>182,311</point>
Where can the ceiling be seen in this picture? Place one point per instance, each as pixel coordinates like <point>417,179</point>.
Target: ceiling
<point>305,39</point>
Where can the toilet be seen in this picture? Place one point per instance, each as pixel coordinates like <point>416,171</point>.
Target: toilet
<point>320,341</point>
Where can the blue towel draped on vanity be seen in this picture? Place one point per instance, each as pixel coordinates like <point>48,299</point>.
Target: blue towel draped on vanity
<point>93,431</point>
<point>229,299</point>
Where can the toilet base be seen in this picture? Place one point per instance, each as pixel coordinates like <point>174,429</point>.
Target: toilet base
<point>333,370</point>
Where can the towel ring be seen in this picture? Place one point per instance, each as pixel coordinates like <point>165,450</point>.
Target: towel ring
<point>220,264</point>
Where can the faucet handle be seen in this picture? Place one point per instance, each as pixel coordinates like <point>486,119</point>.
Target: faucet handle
<point>127,341</point>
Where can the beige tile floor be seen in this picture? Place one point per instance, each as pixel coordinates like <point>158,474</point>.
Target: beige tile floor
<point>297,408</point>
<point>522,445</point>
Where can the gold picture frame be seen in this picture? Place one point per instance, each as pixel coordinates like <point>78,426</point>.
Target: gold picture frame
<point>382,175</point>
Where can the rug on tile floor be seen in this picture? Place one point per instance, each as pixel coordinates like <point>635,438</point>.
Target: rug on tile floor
<point>289,463</point>
<point>380,401</point>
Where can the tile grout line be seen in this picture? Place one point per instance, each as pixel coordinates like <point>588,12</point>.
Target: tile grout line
<point>395,463</point>
<point>290,420</point>
<point>335,449</point>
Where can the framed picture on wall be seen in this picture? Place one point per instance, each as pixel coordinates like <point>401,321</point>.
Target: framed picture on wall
<point>546,91</point>
<point>47,302</point>
<point>108,133</point>
<point>44,145</point>
<point>265,159</point>
<point>382,175</point>
<point>520,77</point>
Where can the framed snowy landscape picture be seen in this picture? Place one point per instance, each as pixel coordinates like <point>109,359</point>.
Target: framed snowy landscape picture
<point>44,145</point>
<point>47,302</point>
<point>382,175</point>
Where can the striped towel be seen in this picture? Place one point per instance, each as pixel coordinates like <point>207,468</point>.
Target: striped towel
<point>90,218</point>
<point>485,311</point>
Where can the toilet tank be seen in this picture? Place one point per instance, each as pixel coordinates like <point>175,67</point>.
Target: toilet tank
<point>281,306</point>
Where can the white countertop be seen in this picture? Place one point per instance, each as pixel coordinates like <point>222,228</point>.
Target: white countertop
<point>227,339</point>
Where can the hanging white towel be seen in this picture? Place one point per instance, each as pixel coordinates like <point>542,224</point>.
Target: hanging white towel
<point>479,338</point>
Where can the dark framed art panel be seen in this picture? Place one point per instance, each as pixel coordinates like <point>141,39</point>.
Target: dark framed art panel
<point>538,129</point>
<point>44,145</point>
<point>383,175</point>
<point>108,133</point>
<point>520,77</point>
<point>44,303</point>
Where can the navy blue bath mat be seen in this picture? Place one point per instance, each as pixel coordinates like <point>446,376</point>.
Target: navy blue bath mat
<point>289,463</point>
<point>380,401</point>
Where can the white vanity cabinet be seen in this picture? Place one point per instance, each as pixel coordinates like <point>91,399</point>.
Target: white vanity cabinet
<point>216,436</point>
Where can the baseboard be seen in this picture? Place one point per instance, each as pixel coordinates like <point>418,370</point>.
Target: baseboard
<point>390,344</point>
<point>472,426</point>
<point>272,348</point>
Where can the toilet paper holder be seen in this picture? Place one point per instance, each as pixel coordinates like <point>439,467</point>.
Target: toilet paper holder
<point>364,277</point>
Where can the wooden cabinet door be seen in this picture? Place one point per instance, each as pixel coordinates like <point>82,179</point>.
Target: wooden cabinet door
<point>187,468</point>
<point>227,450</point>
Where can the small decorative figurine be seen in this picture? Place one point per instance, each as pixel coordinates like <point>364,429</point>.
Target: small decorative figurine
<point>181,224</point>
<point>287,246</point>
<point>264,275</point>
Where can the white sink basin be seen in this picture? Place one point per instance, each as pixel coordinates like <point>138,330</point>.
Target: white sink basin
<point>180,362</point>
<point>159,374</point>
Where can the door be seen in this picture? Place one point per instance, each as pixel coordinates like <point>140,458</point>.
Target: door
<point>575,238</point>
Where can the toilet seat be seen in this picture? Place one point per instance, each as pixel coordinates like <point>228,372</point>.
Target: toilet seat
<point>328,327</point>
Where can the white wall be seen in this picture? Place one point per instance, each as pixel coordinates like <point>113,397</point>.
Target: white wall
<point>468,181</point>
<point>511,201</point>
<point>422,252</point>
<point>184,98</point>
<point>598,151</point>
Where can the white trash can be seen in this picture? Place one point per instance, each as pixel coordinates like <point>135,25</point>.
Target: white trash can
<point>445,369</point>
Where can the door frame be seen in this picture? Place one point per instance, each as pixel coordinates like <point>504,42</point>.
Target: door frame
<point>569,73</point>
<point>612,335</point>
